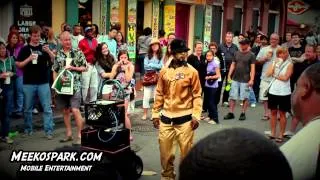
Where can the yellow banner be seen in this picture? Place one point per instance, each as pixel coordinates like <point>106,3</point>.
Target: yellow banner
<point>169,18</point>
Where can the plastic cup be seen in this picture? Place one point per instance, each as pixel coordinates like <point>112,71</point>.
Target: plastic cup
<point>35,60</point>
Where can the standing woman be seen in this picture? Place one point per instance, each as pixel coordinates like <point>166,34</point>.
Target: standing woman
<point>279,95</point>
<point>105,62</point>
<point>121,44</point>
<point>14,48</point>
<point>53,45</point>
<point>211,86</point>
<point>7,72</point>
<point>152,64</point>
<point>123,72</point>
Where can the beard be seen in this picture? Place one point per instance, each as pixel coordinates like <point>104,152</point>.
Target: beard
<point>175,63</point>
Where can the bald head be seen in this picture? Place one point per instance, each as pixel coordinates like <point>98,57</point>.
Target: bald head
<point>274,40</point>
<point>313,75</point>
<point>65,38</point>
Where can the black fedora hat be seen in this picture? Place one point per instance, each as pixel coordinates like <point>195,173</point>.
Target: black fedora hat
<point>178,46</point>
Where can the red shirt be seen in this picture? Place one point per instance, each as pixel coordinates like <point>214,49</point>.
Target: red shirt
<point>88,49</point>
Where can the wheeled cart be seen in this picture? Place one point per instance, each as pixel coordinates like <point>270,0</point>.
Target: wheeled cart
<point>106,132</point>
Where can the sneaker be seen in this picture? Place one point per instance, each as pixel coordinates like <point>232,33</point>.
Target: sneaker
<point>212,122</point>
<point>267,133</point>
<point>241,104</point>
<point>49,137</point>
<point>207,119</point>
<point>242,117</point>
<point>253,105</point>
<point>229,116</point>
<point>26,134</point>
<point>7,140</point>
<point>35,111</point>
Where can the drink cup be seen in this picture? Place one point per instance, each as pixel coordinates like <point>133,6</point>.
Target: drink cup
<point>7,80</point>
<point>35,59</point>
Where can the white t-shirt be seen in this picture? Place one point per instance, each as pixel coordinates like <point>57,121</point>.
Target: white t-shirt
<point>263,53</point>
<point>278,87</point>
<point>303,149</point>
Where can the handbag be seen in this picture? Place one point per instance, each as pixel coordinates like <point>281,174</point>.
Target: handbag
<point>150,78</point>
<point>266,92</point>
<point>211,81</point>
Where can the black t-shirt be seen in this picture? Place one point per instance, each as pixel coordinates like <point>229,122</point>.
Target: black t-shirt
<point>35,73</point>
<point>296,52</point>
<point>243,61</point>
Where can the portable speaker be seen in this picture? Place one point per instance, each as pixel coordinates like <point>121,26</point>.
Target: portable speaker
<point>110,140</point>
<point>106,114</point>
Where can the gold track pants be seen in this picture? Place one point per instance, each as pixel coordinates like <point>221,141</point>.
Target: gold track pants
<point>169,136</point>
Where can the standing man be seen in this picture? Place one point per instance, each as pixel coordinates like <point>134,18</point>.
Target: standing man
<point>178,98</point>
<point>76,37</point>
<point>242,74</point>
<point>34,59</point>
<point>303,151</point>
<point>110,40</point>
<point>76,67</point>
<point>288,42</point>
<point>226,52</point>
<point>265,58</point>
<point>298,68</point>
<point>90,83</point>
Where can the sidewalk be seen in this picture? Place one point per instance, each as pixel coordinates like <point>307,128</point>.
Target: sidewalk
<point>17,124</point>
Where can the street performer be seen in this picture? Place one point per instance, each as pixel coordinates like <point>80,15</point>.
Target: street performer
<point>178,98</point>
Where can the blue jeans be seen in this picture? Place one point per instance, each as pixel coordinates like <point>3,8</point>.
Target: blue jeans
<point>44,94</point>
<point>19,94</point>
<point>252,97</point>
<point>6,106</point>
<point>141,62</point>
<point>210,102</point>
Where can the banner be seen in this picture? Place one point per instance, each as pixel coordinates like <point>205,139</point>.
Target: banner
<point>169,18</point>
<point>207,27</point>
<point>132,23</point>
<point>114,9</point>
<point>155,18</point>
<point>103,16</point>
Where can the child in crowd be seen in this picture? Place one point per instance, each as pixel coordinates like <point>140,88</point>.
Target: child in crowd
<point>211,86</point>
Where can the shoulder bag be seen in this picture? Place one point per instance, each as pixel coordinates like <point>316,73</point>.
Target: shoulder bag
<point>266,92</point>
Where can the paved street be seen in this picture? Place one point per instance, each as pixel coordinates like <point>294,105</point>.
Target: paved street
<point>145,137</point>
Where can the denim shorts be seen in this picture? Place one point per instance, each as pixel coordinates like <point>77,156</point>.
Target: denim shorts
<point>71,101</point>
<point>239,91</point>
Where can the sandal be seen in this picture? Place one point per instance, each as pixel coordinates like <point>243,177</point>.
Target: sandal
<point>271,137</point>
<point>66,139</point>
<point>279,140</point>
<point>265,118</point>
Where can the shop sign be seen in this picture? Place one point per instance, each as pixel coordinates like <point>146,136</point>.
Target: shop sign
<point>103,18</point>
<point>297,7</point>
<point>26,19</point>
<point>114,8</point>
<point>155,18</point>
<point>132,23</point>
<point>169,18</point>
<point>207,27</point>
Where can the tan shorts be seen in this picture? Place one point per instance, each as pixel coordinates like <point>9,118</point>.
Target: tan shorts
<point>263,87</point>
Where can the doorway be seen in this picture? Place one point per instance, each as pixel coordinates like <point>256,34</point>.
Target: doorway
<point>182,21</point>
<point>216,23</point>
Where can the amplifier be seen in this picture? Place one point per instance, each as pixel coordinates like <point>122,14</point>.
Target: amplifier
<point>106,114</point>
<point>101,139</point>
